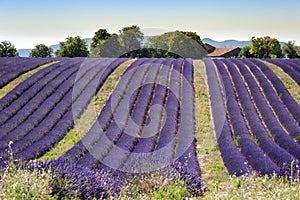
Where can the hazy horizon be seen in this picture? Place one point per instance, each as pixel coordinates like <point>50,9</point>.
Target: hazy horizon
<point>31,22</point>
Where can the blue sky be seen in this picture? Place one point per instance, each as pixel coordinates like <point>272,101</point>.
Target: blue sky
<point>27,23</point>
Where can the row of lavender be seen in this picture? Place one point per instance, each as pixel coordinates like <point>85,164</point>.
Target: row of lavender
<point>260,120</point>
<point>291,67</point>
<point>146,124</point>
<point>37,114</point>
<point>11,68</point>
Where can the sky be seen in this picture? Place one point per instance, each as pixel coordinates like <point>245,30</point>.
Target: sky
<point>27,23</point>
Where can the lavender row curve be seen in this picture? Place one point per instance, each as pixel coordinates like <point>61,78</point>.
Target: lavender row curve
<point>43,84</point>
<point>254,155</point>
<point>19,70</point>
<point>233,159</point>
<point>279,155</point>
<point>287,69</point>
<point>110,136</point>
<point>283,114</point>
<point>281,90</point>
<point>50,111</point>
<point>105,118</point>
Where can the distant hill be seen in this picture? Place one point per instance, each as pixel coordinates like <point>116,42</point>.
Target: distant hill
<point>24,52</point>
<point>229,43</point>
<point>226,43</point>
<point>222,44</point>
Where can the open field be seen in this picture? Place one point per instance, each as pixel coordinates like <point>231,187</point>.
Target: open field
<point>211,129</point>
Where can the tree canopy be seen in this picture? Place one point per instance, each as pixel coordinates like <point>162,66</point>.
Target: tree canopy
<point>130,39</point>
<point>41,50</point>
<point>99,38</point>
<point>291,50</point>
<point>125,44</point>
<point>73,47</point>
<point>245,53</point>
<point>7,49</point>
<point>109,48</point>
<point>177,44</point>
<point>262,47</point>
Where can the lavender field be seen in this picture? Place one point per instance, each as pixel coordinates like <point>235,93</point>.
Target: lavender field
<point>153,119</point>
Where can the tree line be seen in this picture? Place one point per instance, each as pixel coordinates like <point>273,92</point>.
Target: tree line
<point>129,42</point>
<point>267,47</point>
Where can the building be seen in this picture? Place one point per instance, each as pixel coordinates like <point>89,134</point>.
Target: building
<point>222,52</point>
<point>209,48</point>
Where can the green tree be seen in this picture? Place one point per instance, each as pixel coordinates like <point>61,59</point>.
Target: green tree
<point>194,36</point>
<point>298,51</point>
<point>177,44</point>
<point>41,50</point>
<point>73,47</point>
<point>290,50</point>
<point>245,53</point>
<point>7,49</point>
<point>265,47</point>
<point>110,47</point>
<point>130,39</point>
<point>99,38</point>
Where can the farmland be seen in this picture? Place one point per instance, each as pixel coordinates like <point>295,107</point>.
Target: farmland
<point>198,123</point>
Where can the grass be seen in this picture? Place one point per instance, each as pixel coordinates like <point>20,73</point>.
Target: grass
<point>209,156</point>
<point>155,185</point>
<point>11,85</point>
<point>16,183</point>
<point>88,117</point>
<point>289,83</point>
<point>37,183</point>
<point>254,188</point>
<point>23,184</point>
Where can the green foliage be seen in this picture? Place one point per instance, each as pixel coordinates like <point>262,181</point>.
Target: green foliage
<point>245,53</point>
<point>291,50</point>
<point>41,50</point>
<point>194,36</point>
<point>130,39</point>
<point>237,140</point>
<point>127,44</point>
<point>298,51</point>
<point>177,44</point>
<point>265,47</point>
<point>171,191</point>
<point>109,48</point>
<point>262,47</point>
<point>99,38</point>
<point>72,47</point>
<point>7,49</point>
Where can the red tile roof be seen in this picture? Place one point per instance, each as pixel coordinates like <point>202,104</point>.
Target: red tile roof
<point>219,52</point>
